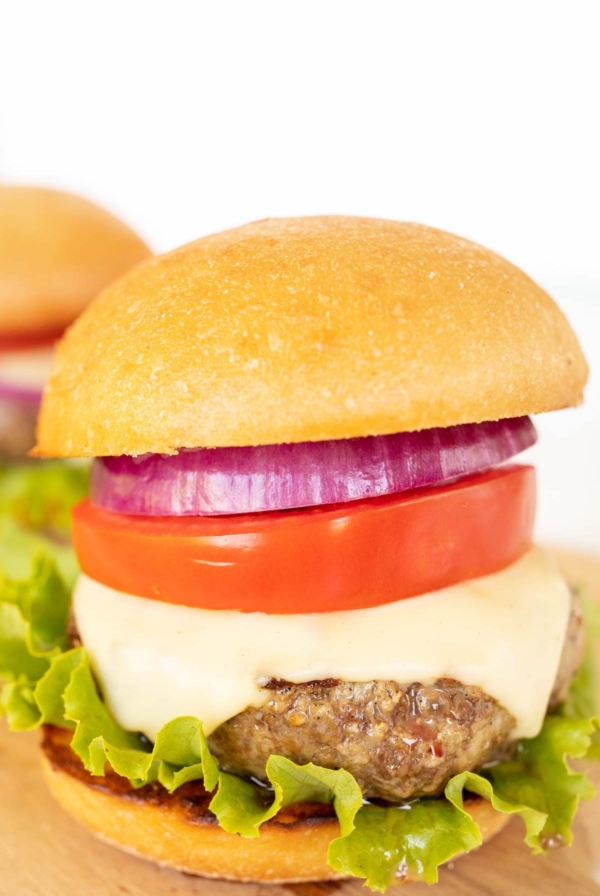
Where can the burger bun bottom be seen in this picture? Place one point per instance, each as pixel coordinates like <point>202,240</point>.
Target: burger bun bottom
<point>178,831</point>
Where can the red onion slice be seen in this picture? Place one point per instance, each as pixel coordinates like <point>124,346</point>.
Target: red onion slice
<point>210,481</point>
<point>21,394</point>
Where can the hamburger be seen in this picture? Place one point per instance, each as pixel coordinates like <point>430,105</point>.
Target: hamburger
<point>57,252</point>
<point>312,637</point>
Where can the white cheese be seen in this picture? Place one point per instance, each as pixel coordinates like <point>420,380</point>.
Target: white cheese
<point>156,661</point>
<point>27,368</point>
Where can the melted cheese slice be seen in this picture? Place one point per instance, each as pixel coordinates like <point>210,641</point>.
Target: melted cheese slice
<point>27,368</point>
<point>156,661</point>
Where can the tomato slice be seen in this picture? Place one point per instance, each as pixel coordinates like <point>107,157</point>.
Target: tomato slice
<point>28,342</point>
<point>339,557</point>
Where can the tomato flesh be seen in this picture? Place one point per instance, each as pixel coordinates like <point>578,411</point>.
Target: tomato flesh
<point>28,342</point>
<point>338,557</point>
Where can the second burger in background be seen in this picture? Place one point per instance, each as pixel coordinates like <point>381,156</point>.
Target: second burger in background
<point>57,252</point>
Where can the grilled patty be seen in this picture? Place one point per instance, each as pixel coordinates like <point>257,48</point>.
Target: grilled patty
<point>398,740</point>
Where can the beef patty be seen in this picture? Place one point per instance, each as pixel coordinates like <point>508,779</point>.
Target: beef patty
<point>398,740</point>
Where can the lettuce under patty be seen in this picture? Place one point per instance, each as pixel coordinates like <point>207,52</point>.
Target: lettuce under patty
<point>45,682</point>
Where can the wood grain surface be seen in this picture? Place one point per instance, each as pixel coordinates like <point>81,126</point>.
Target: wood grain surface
<point>43,852</point>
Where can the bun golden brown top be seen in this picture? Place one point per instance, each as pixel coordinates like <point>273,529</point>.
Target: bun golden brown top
<point>307,329</point>
<point>57,252</point>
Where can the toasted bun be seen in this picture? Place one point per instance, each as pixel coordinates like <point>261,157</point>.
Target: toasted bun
<point>302,330</point>
<point>177,830</point>
<point>57,252</point>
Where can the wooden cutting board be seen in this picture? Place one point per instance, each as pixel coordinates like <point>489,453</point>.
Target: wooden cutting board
<point>45,853</point>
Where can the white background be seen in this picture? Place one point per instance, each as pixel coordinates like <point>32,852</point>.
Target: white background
<point>478,117</point>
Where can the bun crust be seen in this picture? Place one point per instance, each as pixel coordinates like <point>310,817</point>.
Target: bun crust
<point>307,329</point>
<point>57,252</point>
<point>177,830</point>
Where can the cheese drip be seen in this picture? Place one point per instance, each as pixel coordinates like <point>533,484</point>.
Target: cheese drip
<point>27,368</point>
<point>156,661</point>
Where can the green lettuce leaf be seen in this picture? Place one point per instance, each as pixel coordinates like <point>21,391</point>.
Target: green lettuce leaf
<point>43,602</point>
<point>16,659</point>
<point>50,688</point>
<point>35,510</point>
<point>389,843</point>
<point>39,496</point>
<point>67,695</point>
<point>17,702</point>
<point>538,785</point>
<point>47,682</point>
<point>33,628</point>
<point>19,549</point>
<point>540,777</point>
<point>241,807</point>
<point>582,699</point>
<point>183,755</point>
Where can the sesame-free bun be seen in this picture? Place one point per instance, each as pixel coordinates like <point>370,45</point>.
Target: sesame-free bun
<point>178,830</point>
<point>57,252</point>
<point>306,329</point>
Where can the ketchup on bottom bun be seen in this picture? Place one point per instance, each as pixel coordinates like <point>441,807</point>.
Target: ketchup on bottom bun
<point>310,611</point>
<point>57,252</point>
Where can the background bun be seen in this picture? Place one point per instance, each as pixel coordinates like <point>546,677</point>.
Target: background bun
<point>305,329</point>
<point>57,251</point>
